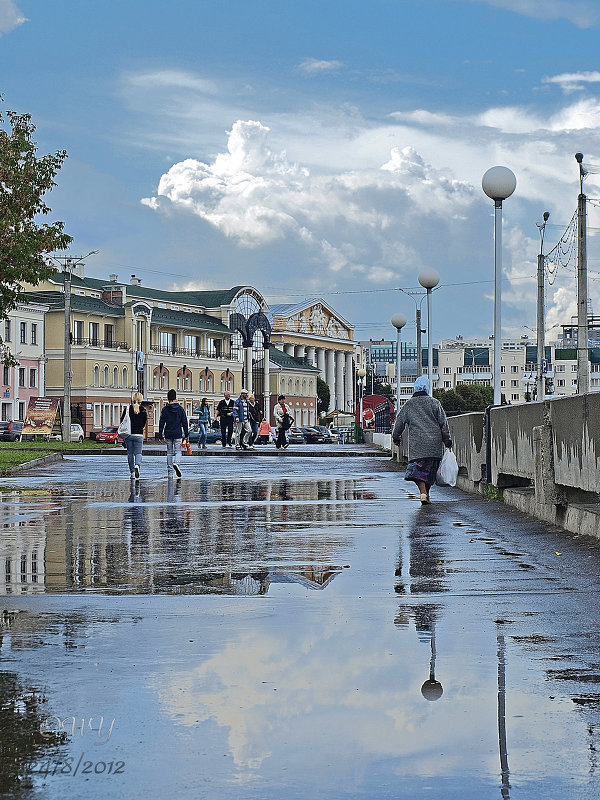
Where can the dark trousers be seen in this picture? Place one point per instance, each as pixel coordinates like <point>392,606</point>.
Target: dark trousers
<point>226,429</point>
<point>281,437</point>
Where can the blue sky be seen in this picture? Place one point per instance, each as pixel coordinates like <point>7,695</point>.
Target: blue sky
<point>327,149</point>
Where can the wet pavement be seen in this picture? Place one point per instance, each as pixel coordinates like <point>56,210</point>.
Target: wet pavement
<point>282,627</point>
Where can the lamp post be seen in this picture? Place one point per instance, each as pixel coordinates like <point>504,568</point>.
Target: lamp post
<point>398,321</point>
<point>360,374</point>
<point>498,183</point>
<point>429,279</point>
<point>420,330</point>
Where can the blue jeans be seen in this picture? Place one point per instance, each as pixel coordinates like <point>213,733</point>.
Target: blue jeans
<point>134,443</point>
<point>202,433</point>
<point>173,454</point>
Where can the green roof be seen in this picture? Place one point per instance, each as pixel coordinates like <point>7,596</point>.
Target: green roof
<point>207,299</point>
<point>285,361</point>
<point>186,319</point>
<point>88,305</point>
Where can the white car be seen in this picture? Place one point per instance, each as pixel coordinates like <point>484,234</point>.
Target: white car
<point>77,434</point>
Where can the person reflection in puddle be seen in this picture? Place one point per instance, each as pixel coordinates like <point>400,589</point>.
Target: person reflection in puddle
<point>135,516</point>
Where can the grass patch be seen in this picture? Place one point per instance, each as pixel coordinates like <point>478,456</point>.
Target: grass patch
<point>13,454</point>
<point>490,492</point>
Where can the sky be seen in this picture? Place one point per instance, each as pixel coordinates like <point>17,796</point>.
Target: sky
<point>319,149</point>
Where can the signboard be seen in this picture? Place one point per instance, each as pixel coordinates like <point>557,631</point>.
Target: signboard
<point>41,415</point>
<point>140,361</point>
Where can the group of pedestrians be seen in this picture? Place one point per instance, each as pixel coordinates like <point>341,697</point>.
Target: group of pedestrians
<point>244,416</point>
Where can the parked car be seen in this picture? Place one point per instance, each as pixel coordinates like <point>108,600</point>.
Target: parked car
<point>312,435</point>
<point>11,431</point>
<point>346,430</point>
<point>109,435</point>
<point>213,434</point>
<point>329,437</point>
<point>295,436</point>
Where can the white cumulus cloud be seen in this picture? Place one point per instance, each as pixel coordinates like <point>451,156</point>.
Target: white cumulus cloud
<point>10,16</point>
<point>315,66</point>
<point>573,81</point>
<point>581,13</point>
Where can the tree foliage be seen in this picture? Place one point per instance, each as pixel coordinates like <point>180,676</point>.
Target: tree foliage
<point>25,177</point>
<point>323,396</point>
<point>466,397</point>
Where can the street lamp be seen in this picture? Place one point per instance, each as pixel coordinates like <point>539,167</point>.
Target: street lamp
<point>398,321</point>
<point>498,183</point>
<point>360,374</point>
<point>429,279</point>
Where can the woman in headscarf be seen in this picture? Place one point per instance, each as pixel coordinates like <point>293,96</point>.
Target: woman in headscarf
<point>427,433</point>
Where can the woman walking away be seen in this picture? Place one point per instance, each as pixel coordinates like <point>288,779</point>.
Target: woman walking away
<point>427,432</point>
<point>204,421</point>
<point>134,442</point>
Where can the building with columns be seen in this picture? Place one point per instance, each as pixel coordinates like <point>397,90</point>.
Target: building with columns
<point>313,331</point>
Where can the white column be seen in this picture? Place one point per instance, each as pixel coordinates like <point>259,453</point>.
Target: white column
<point>300,351</point>
<point>248,369</point>
<point>310,355</point>
<point>349,384</point>
<point>267,388</point>
<point>339,380</point>
<point>289,349</point>
<point>330,372</point>
<point>321,363</point>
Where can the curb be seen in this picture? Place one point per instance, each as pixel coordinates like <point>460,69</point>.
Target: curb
<point>51,458</point>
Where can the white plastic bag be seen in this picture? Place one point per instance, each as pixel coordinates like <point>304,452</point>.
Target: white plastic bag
<point>125,426</point>
<point>447,470</point>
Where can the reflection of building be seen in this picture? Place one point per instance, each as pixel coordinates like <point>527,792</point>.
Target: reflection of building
<point>312,330</point>
<point>23,333</point>
<point>22,550</point>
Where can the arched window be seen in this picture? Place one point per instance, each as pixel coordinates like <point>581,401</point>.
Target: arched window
<point>283,386</point>
<point>179,382</point>
<point>304,388</point>
<point>106,375</point>
<point>311,386</point>
<point>188,382</point>
<point>210,380</point>
<point>96,375</point>
<point>290,386</point>
<point>125,378</point>
<point>201,383</point>
<point>297,386</point>
<point>115,382</point>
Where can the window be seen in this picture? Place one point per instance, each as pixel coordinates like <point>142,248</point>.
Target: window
<point>21,377</point>
<point>514,397</point>
<point>22,412</point>
<point>23,333</point>
<point>559,367</point>
<point>6,376</point>
<point>78,332</point>
<point>304,388</point>
<point>95,333</point>
<point>178,382</point>
<point>109,336</point>
<point>502,368</point>
<point>32,378</point>
<point>97,415</point>
<point>34,333</point>
<point>514,384</point>
<point>192,344</point>
<point>7,332</point>
<point>573,367</point>
<point>561,382</point>
<point>96,376</point>
<point>502,383</point>
<point>155,381</point>
<point>115,382</point>
<point>574,382</point>
<point>514,368</point>
<point>447,384</point>
<point>106,379</point>
<point>447,371</point>
<point>125,383</point>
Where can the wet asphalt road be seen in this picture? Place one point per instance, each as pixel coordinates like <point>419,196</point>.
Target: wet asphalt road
<point>290,627</point>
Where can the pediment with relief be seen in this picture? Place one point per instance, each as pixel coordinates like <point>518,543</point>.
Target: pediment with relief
<point>318,320</point>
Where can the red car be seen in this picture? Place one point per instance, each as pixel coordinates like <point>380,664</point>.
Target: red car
<point>110,435</point>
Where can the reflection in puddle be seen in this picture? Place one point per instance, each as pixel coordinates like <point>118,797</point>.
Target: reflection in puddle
<point>216,536</point>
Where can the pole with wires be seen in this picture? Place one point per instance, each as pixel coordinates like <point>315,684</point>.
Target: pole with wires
<point>583,380</point>
<point>541,345</point>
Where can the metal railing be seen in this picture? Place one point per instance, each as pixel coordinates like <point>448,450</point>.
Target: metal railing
<point>109,344</point>
<point>225,353</point>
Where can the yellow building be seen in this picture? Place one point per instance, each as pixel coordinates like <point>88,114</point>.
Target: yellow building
<point>128,337</point>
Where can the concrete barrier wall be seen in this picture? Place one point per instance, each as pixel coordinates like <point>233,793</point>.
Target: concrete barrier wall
<point>512,449</point>
<point>575,425</point>
<point>468,443</point>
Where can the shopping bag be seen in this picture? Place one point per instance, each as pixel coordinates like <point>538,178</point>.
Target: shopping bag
<point>125,426</point>
<point>448,470</point>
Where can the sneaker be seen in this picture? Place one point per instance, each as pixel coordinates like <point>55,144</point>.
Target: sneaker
<point>285,446</point>
<point>250,447</point>
<point>204,447</point>
<point>230,445</point>
<point>132,476</point>
<point>425,500</point>
<point>136,472</point>
<point>176,470</point>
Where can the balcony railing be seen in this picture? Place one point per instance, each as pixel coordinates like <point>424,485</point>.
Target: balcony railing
<point>485,368</point>
<point>225,353</point>
<point>107,343</point>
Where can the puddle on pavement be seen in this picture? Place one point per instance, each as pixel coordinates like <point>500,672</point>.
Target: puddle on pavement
<point>276,636</point>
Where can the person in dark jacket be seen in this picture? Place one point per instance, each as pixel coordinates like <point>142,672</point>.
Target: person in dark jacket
<point>173,427</point>
<point>427,433</point>
<point>225,416</point>
<point>138,418</point>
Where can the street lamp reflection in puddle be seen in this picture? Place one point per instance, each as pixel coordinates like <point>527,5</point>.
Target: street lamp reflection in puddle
<point>432,689</point>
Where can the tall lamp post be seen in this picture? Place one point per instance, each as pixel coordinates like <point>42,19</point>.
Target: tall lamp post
<point>541,344</point>
<point>398,321</point>
<point>360,374</point>
<point>429,279</point>
<point>498,183</point>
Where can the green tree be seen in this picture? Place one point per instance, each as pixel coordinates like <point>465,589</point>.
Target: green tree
<point>323,397</point>
<point>25,242</point>
<point>466,397</point>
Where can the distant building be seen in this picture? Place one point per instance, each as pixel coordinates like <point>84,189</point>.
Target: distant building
<point>23,333</point>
